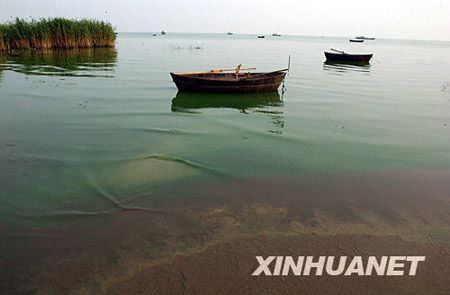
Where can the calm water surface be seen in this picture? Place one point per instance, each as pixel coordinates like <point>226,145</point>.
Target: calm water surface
<point>83,132</point>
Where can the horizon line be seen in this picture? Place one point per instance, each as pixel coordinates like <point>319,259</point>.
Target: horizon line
<point>290,35</point>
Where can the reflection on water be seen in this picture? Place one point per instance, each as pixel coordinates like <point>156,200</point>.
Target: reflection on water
<point>269,103</point>
<point>2,65</point>
<point>188,102</point>
<point>346,67</point>
<point>96,62</point>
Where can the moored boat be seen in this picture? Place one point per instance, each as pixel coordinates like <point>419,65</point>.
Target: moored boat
<point>364,38</point>
<point>341,56</point>
<point>261,37</point>
<point>221,82</point>
<point>356,40</point>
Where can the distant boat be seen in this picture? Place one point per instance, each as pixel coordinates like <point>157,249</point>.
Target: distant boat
<point>356,40</point>
<point>237,82</point>
<point>276,35</point>
<point>163,33</point>
<point>341,56</point>
<point>364,38</point>
<point>230,33</point>
<point>261,37</point>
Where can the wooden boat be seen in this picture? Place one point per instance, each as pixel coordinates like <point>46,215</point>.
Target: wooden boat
<point>230,34</point>
<point>276,35</point>
<point>218,81</point>
<point>356,40</point>
<point>261,37</point>
<point>341,56</point>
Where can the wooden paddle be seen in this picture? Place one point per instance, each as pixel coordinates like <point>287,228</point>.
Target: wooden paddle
<point>215,71</point>
<point>262,74</point>
<point>229,70</point>
<point>343,52</point>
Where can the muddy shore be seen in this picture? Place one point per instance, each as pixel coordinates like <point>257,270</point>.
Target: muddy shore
<point>226,269</point>
<point>207,243</point>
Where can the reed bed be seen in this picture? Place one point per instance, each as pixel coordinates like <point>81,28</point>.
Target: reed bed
<point>56,33</point>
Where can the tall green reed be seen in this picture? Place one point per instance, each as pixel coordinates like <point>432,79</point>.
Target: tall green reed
<point>56,33</point>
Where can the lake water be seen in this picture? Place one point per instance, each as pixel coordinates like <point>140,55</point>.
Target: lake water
<point>88,134</point>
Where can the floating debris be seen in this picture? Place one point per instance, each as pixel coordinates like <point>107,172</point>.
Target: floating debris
<point>189,47</point>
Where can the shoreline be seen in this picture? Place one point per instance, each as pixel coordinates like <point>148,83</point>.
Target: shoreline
<point>196,273</point>
<point>127,245</point>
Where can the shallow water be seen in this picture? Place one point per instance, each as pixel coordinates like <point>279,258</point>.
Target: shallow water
<point>88,133</point>
<point>80,130</point>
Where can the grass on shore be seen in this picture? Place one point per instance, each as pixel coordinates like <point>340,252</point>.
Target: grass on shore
<point>56,33</point>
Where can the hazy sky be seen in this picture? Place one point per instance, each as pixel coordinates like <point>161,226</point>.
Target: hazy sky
<point>405,19</point>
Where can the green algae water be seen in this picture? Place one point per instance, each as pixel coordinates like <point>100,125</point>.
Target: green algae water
<point>104,165</point>
<point>85,131</point>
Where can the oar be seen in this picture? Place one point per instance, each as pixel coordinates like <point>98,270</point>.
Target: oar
<point>335,50</point>
<point>283,70</point>
<point>229,70</point>
<point>214,71</point>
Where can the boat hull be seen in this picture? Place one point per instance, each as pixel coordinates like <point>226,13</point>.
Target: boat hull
<point>227,83</point>
<point>348,58</point>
